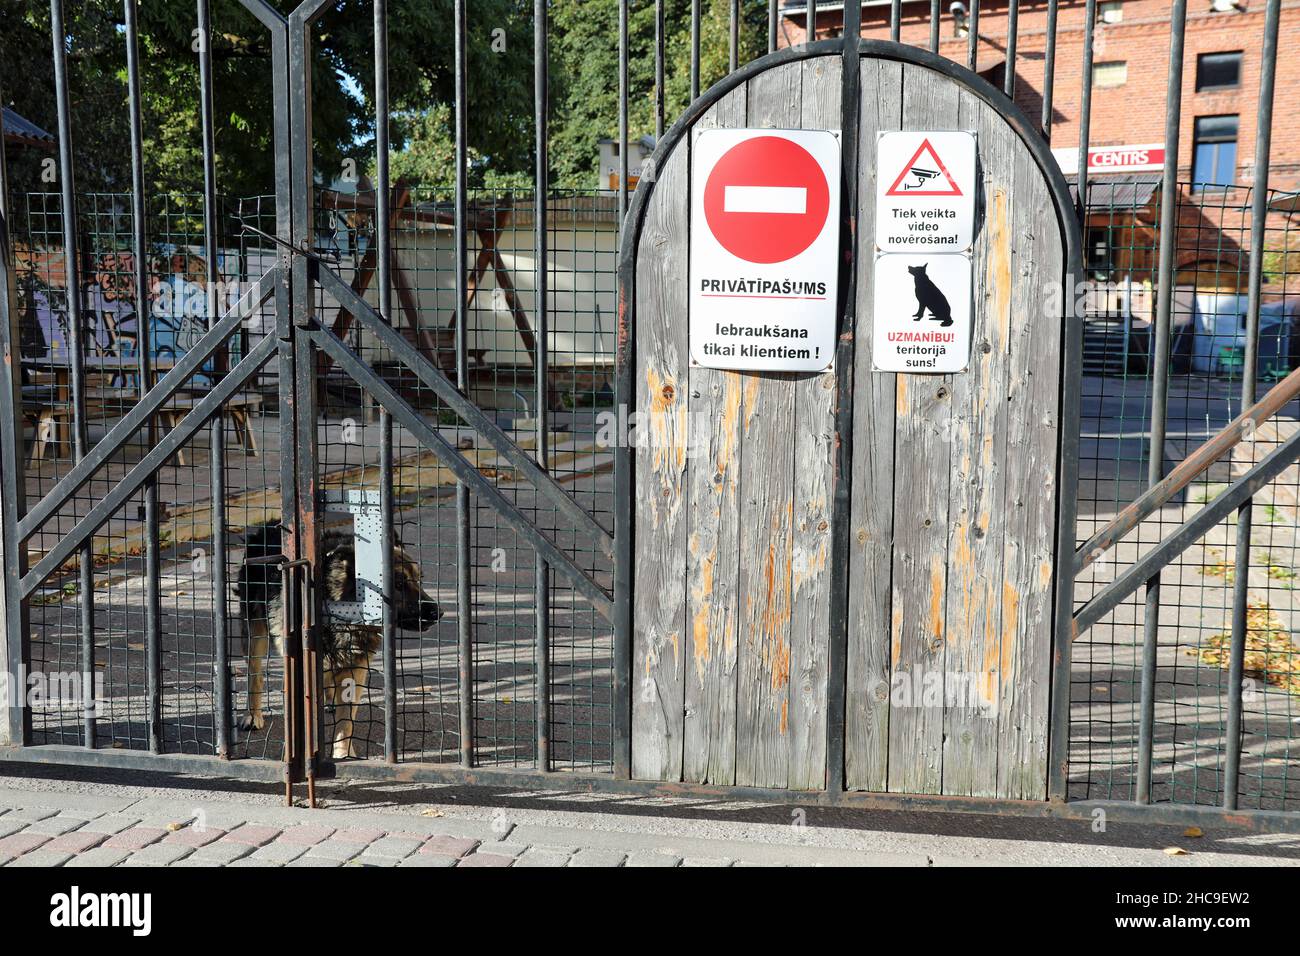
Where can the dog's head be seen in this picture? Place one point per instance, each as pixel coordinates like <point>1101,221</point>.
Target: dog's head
<point>413,610</point>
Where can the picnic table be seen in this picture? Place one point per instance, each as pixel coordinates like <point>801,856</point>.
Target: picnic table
<point>48,396</point>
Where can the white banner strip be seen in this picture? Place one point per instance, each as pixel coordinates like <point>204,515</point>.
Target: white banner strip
<point>778,199</point>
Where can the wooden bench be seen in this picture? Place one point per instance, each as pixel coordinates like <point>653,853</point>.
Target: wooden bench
<point>238,408</point>
<point>53,416</point>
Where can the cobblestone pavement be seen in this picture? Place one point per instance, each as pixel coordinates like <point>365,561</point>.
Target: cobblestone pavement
<point>76,823</point>
<point>50,829</point>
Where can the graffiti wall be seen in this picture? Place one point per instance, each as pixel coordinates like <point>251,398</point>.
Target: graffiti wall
<point>179,303</point>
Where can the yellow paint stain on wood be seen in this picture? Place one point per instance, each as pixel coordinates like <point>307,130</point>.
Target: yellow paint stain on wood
<point>700,636</point>
<point>936,598</point>
<point>750,393</point>
<point>1045,574</point>
<point>1010,622</point>
<point>700,624</point>
<point>660,395</point>
<point>900,395</point>
<point>1000,266</point>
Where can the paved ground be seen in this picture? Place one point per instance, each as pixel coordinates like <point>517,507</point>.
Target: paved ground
<point>79,818</point>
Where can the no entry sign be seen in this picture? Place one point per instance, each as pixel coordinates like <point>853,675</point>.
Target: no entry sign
<point>925,191</point>
<point>764,248</point>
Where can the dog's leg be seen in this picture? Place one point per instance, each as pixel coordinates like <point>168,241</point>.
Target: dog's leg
<point>351,687</point>
<point>329,691</point>
<point>343,697</point>
<point>259,646</point>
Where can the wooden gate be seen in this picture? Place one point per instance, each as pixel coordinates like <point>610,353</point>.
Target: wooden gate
<point>847,579</point>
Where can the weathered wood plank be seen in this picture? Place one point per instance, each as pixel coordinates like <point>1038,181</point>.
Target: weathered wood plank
<point>975,511</point>
<point>767,468</point>
<point>872,529</point>
<point>713,553</point>
<point>814,446</point>
<point>660,554</point>
<point>922,452</point>
<point>1032,493</point>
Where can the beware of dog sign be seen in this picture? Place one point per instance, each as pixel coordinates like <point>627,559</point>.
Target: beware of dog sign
<point>764,263</point>
<point>922,316</point>
<point>925,192</point>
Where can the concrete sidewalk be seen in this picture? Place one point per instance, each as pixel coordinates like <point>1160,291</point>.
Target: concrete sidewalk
<point>84,818</point>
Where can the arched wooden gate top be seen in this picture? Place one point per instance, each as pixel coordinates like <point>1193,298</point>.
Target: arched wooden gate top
<point>802,557</point>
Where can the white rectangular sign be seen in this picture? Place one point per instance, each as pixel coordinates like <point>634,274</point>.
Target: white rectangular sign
<point>764,262</point>
<point>925,191</point>
<point>1142,158</point>
<point>922,315</point>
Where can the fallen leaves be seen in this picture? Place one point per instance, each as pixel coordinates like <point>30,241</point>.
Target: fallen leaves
<point>1270,654</point>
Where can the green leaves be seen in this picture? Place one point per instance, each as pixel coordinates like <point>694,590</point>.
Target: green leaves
<point>583,102</point>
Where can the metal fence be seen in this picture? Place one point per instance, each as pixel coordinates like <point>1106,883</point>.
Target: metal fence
<point>1184,694</point>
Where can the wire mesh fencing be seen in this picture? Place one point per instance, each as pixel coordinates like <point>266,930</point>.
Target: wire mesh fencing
<point>1196,595</point>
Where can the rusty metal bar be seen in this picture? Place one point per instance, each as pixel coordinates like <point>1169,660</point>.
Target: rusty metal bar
<point>1187,534</point>
<point>1180,477</point>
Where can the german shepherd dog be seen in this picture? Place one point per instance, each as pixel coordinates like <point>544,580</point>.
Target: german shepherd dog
<point>345,646</point>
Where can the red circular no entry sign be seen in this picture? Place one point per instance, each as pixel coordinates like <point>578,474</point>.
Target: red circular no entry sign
<point>766,199</point>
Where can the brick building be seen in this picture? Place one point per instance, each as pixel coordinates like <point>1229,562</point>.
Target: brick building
<point>1216,151</point>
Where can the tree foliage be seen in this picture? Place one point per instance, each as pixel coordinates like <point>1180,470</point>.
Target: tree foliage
<point>583,95</point>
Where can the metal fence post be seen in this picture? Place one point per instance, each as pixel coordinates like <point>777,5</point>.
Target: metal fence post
<point>144,350</point>
<point>841,502</point>
<point>542,592</point>
<point>1249,369</point>
<point>13,557</point>
<point>76,346</point>
<point>1160,383</point>
<point>384,274</point>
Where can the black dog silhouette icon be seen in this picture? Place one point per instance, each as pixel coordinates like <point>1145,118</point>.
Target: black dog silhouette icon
<point>929,296</point>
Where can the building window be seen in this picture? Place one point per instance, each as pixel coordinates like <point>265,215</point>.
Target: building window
<point>1218,71</point>
<point>1110,11</point>
<point>1114,73</point>
<point>1214,153</point>
<point>1100,253</point>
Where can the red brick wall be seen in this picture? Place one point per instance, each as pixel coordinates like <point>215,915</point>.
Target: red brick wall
<point>1134,112</point>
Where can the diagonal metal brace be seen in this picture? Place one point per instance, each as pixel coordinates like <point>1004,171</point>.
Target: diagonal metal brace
<point>471,414</point>
<point>402,411</point>
<point>144,469</point>
<point>149,405</point>
<point>1187,534</point>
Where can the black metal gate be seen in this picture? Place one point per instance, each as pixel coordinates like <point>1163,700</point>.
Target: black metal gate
<point>315,554</point>
<point>225,557</point>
